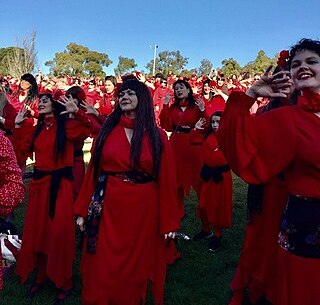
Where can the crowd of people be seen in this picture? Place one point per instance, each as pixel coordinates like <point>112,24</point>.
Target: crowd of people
<point>155,138</point>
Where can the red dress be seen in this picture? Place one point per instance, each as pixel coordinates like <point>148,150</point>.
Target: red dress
<point>257,149</point>
<point>130,248</point>
<point>11,184</point>
<point>9,114</point>
<point>52,238</point>
<point>215,198</point>
<point>188,158</point>
<point>217,103</point>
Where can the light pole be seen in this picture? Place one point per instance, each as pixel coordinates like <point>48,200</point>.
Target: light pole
<point>154,59</point>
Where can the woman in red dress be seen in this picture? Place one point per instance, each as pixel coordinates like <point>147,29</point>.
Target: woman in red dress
<point>107,102</point>
<point>284,140</point>
<point>48,240</point>
<point>179,119</point>
<point>7,113</point>
<point>215,201</point>
<point>131,179</point>
<point>25,96</point>
<point>213,100</point>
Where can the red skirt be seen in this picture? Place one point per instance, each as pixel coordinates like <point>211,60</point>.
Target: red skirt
<point>53,238</point>
<point>216,201</point>
<point>188,159</point>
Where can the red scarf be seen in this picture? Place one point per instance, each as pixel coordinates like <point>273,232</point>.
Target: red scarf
<point>127,122</point>
<point>309,101</point>
<point>183,103</point>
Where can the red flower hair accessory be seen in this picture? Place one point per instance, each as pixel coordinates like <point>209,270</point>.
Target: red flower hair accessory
<point>283,58</point>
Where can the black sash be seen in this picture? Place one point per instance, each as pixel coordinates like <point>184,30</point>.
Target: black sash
<point>97,199</point>
<point>300,227</point>
<point>181,129</point>
<point>214,173</point>
<point>56,177</point>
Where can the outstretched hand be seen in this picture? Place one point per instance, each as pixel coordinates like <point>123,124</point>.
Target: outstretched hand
<point>21,115</point>
<point>89,108</point>
<point>69,103</point>
<point>270,86</point>
<point>199,125</point>
<point>200,103</point>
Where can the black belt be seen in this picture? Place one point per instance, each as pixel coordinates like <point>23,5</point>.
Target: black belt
<point>181,129</point>
<point>97,199</point>
<point>56,177</point>
<point>300,227</point>
<point>214,173</point>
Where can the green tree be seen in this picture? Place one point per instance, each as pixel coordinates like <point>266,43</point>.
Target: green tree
<point>168,61</point>
<point>261,63</point>
<point>78,60</point>
<point>22,58</point>
<point>125,65</point>
<point>230,66</point>
<point>205,67</point>
<point>4,54</point>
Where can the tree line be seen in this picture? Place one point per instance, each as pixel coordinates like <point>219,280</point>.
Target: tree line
<point>80,61</point>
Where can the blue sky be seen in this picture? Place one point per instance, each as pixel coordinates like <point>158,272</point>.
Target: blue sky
<point>199,29</point>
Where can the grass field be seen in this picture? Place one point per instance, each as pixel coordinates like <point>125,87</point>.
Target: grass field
<point>200,277</point>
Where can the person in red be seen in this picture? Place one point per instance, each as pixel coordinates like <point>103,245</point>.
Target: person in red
<point>78,95</point>
<point>158,97</point>
<point>25,96</point>
<point>7,113</point>
<point>129,201</point>
<point>213,100</point>
<point>93,93</point>
<point>265,202</point>
<point>107,103</point>
<point>48,240</point>
<point>11,185</point>
<point>179,119</point>
<point>215,200</point>
<point>284,140</point>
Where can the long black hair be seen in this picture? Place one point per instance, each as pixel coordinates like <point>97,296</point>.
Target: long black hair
<point>210,129</point>
<point>33,90</point>
<point>190,97</point>
<point>144,122</point>
<point>61,137</point>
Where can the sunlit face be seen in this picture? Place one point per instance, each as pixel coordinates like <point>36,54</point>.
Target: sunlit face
<point>45,105</point>
<point>206,88</point>
<point>128,100</point>
<point>25,85</point>
<point>215,122</point>
<point>109,86</point>
<point>305,70</point>
<point>181,91</point>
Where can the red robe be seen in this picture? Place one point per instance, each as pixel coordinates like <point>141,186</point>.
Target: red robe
<point>217,103</point>
<point>257,149</point>
<point>215,198</point>
<point>188,157</point>
<point>9,114</point>
<point>130,247</point>
<point>53,238</point>
<point>11,185</point>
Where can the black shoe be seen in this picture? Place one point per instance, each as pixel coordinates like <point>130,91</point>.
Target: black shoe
<point>62,296</point>
<point>202,235</point>
<point>214,243</point>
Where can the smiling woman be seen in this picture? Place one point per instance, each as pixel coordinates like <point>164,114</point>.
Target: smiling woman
<point>284,140</point>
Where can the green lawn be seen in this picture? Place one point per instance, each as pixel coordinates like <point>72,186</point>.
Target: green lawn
<point>199,277</point>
